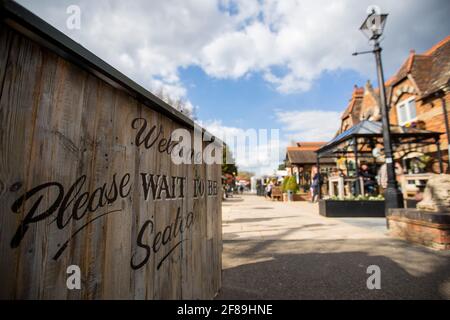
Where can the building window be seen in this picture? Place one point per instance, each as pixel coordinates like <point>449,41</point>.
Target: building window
<point>406,111</point>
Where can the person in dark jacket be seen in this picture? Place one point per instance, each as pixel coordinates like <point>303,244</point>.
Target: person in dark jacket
<point>316,183</point>
<point>369,180</point>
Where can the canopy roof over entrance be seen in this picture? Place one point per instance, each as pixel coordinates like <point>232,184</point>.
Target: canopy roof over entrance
<point>367,135</point>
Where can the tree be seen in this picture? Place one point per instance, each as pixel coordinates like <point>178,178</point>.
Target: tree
<point>246,175</point>
<point>179,103</point>
<point>282,166</point>
<point>229,168</point>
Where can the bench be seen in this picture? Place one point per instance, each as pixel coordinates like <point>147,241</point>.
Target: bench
<point>277,194</point>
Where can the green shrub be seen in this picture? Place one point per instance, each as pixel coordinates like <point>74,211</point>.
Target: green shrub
<point>290,184</point>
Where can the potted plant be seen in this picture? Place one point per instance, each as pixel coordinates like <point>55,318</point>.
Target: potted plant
<point>290,187</point>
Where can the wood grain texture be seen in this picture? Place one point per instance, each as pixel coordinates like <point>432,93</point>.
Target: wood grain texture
<point>63,127</point>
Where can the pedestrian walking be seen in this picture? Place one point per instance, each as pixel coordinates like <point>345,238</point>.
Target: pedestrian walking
<point>316,183</point>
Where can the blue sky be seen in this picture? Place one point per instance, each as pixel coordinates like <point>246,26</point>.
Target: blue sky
<point>252,102</point>
<point>245,64</point>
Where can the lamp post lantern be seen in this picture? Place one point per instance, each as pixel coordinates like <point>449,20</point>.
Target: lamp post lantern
<point>373,28</point>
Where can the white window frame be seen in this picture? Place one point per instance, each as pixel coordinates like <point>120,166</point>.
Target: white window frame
<point>408,113</point>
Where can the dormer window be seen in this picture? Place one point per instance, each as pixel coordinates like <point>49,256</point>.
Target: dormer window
<point>406,111</point>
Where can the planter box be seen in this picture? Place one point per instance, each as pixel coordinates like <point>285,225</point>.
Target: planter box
<point>297,197</point>
<point>351,208</point>
<point>301,197</point>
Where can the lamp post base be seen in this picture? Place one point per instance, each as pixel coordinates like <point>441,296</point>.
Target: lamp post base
<point>393,198</point>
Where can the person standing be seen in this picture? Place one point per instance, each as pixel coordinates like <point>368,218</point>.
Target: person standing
<point>315,183</point>
<point>368,179</point>
<point>269,189</point>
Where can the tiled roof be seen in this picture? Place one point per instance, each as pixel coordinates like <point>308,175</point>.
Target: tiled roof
<point>437,46</point>
<point>440,72</point>
<point>299,156</point>
<point>430,70</point>
<point>309,145</point>
<point>302,157</point>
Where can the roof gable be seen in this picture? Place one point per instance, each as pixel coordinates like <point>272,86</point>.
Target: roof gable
<point>428,71</point>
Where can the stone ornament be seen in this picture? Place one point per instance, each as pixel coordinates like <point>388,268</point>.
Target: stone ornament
<point>436,196</point>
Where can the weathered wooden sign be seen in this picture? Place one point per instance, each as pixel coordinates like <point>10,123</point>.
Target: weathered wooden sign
<point>87,179</point>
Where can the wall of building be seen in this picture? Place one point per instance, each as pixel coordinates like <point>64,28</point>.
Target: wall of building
<point>429,111</point>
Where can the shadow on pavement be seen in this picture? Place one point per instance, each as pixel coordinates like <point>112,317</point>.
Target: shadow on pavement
<point>247,220</point>
<point>329,275</point>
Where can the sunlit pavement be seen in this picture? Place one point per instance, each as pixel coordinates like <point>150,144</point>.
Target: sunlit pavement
<point>276,250</point>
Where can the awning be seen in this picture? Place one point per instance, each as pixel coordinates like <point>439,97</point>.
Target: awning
<point>369,134</point>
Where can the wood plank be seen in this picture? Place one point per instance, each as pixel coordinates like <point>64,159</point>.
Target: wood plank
<point>61,124</point>
<point>97,231</point>
<point>91,283</point>
<point>118,278</point>
<point>57,142</point>
<point>17,117</point>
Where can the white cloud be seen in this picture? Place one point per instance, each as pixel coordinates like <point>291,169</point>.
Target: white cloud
<point>317,125</point>
<point>253,150</point>
<point>288,83</point>
<point>150,40</point>
<point>236,53</point>
<point>265,156</point>
<point>294,126</point>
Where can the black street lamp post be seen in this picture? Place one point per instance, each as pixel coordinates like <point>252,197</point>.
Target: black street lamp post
<point>373,27</point>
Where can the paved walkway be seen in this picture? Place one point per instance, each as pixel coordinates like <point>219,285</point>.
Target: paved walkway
<point>276,250</point>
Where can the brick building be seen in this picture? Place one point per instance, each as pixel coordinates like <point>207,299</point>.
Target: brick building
<point>418,96</point>
<point>352,113</point>
<point>363,105</point>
